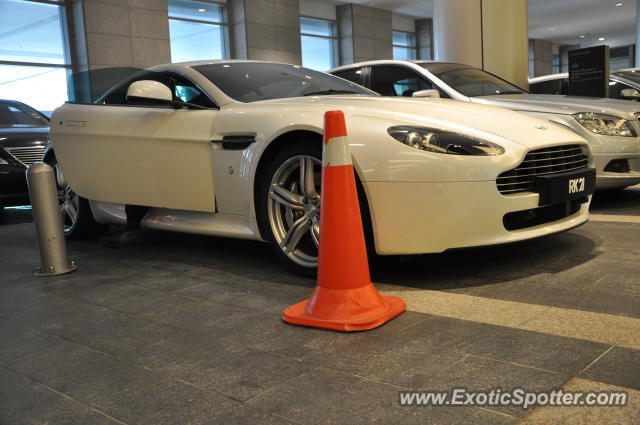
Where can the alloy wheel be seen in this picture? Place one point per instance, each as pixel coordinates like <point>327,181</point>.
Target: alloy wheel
<point>294,208</point>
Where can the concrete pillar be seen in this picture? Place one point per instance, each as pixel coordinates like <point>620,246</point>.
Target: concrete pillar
<point>488,34</point>
<point>127,34</point>
<point>541,52</point>
<point>364,32</point>
<point>424,38</point>
<point>265,30</point>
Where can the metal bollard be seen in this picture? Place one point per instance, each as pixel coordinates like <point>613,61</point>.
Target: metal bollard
<point>44,203</point>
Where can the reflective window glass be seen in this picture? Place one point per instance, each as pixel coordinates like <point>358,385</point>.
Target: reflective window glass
<point>31,32</point>
<point>196,10</point>
<point>192,41</point>
<point>404,45</point>
<point>318,43</point>
<point>42,88</point>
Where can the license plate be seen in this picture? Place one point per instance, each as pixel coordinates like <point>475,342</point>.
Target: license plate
<point>563,187</point>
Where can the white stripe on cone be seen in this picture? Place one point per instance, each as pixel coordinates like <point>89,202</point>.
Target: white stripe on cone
<point>336,152</point>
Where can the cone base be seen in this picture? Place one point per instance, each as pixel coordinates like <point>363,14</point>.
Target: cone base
<point>297,315</point>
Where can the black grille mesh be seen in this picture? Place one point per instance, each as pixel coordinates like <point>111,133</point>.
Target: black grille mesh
<point>539,162</point>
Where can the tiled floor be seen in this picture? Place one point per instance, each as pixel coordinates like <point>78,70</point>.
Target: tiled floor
<point>187,330</point>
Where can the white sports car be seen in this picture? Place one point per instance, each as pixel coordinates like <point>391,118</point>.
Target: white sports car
<point>233,148</point>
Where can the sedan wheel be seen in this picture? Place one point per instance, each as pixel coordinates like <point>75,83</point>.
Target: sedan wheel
<point>75,212</point>
<point>293,209</point>
<point>69,203</point>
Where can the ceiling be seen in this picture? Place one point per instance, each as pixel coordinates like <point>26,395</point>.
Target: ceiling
<point>560,21</point>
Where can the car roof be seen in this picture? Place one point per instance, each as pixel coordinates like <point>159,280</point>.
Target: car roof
<point>549,77</point>
<point>437,66</point>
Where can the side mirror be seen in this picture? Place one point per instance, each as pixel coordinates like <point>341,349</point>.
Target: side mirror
<point>426,93</point>
<point>630,94</point>
<point>148,92</point>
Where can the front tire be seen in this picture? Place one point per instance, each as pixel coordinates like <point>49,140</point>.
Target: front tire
<point>288,206</point>
<point>77,219</point>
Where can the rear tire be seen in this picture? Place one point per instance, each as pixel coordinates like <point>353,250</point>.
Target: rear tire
<point>77,218</point>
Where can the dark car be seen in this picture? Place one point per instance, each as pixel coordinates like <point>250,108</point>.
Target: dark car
<point>23,138</point>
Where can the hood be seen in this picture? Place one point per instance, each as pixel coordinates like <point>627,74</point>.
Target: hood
<point>27,136</point>
<point>482,121</point>
<point>558,104</point>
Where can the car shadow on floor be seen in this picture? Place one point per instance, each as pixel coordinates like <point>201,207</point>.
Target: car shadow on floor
<point>616,201</point>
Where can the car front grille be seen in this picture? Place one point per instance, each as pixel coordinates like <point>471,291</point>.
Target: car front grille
<point>26,155</point>
<point>540,162</point>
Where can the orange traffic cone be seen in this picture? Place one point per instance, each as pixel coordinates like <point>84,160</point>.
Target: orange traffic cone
<point>344,298</point>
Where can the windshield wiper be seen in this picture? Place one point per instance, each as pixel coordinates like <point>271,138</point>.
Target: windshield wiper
<point>330,91</point>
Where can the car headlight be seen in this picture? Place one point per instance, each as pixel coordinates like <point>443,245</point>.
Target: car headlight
<point>607,125</point>
<point>3,162</point>
<point>443,142</point>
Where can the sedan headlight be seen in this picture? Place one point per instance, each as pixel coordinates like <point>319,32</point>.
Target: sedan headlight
<point>607,125</point>
<point>443,142</point>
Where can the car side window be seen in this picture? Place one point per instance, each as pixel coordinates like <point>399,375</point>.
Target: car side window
<point>354,75</point>
<point>616,87</point>
<point>397,81</point>
<point>182,88</point>
<point>547,87</point>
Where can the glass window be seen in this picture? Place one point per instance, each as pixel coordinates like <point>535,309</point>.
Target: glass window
<point>197,30</point>
<point>547,87</point>
<point>404,45</point>
<point>13,114</point>
<point>33,54</point>
<point>318,42</point>
<point>254,81</point>
<point>397,81</point>
<point>475,82</point>
<point>354,75</point>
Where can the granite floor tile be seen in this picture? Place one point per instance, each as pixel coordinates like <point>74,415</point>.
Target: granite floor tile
<point>481,374</point>
<point>23,401</point>
<point>236,371</point>
<point>620,366</point>
<point>122,390</point>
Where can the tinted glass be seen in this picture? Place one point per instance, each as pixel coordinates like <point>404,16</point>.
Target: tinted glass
<point>182,89</point>
<point>16,115</point>
<point>615,89</point>
<point>475,82</point>
<point>255,81</point>
<point>629,75</point>
<point>354,75</point>
<point>546,87</point>
<point>397,81</point>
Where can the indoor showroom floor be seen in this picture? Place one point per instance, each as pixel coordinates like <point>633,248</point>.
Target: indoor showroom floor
<point>186,330</point>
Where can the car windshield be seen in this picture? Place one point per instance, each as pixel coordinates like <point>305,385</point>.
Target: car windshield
<point>254,81</point>
<point>629,75</point>
<point>474,82</point>
<point>18,115</point>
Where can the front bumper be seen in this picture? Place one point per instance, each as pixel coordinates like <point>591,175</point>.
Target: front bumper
<point>13,186</point>
<point>612,180</point>
<point>420,218</point>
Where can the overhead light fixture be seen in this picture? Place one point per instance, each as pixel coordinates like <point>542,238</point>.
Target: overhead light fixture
<point>582,36</point>
<point>618,4</point>
<point>202,10</point>
<point>601,39</point>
